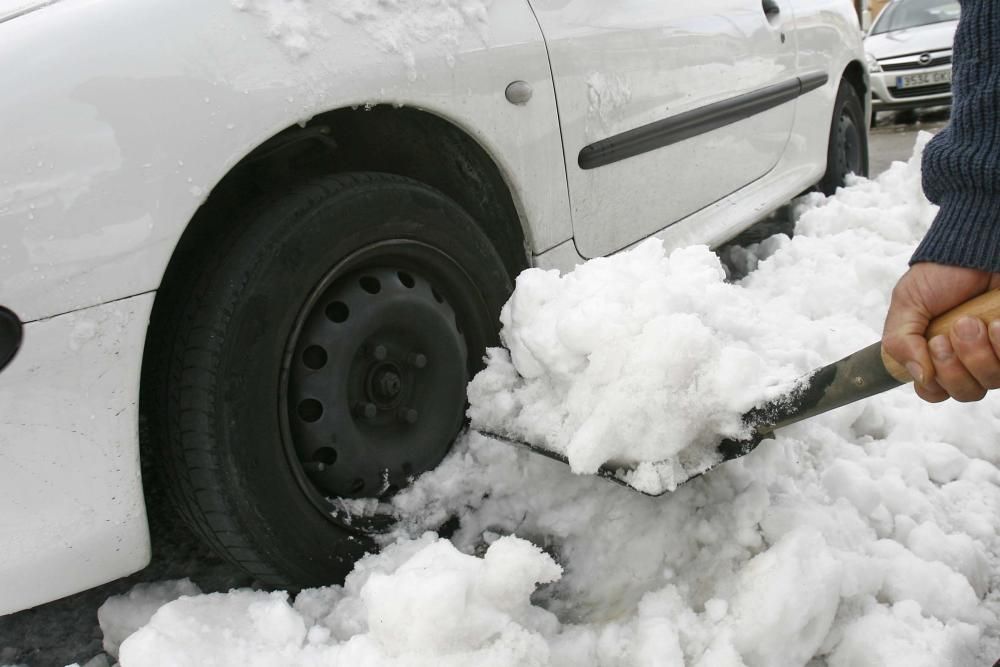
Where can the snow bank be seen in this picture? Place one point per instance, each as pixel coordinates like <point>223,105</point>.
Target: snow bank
<point>867,537</point>
<point>420,602</point>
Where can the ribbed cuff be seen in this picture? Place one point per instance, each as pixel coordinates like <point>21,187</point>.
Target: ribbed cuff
<point>966,232</point>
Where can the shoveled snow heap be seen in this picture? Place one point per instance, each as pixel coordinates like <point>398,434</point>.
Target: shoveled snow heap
<point>867,537</point>
<point>640,357</point>
<point>651,358</point>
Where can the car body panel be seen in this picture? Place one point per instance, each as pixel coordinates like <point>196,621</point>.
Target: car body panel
<point>71,503</point>
<point>619,67</point>
<point>827,39</point>
<point>108,155</point>
<point>11,9</point>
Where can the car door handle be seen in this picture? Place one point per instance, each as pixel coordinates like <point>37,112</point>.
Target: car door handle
<point>771,9</point>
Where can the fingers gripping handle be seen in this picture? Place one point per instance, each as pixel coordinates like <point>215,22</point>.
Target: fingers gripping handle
<point>985,306</point>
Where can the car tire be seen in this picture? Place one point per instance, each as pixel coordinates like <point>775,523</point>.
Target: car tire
<point>847,147</point>
<point>322,352</point>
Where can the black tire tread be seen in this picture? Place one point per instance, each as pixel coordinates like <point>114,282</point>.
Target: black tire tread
<point>184,352</point>
<point>846,94</point>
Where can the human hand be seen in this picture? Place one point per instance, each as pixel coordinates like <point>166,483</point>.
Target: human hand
<point>963,364</point>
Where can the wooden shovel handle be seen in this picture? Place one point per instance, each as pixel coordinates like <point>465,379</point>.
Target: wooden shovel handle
<point>985,306</point>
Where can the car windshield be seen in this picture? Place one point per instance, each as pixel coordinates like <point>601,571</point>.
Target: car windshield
<point>903,14</point>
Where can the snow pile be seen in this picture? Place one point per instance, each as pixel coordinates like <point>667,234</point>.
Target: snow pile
<point>401,27</point>
<point>867,537</point>
<point>420,602</point>
<point>122,615</point>
<point>637,357</point>
<point>648,357</point>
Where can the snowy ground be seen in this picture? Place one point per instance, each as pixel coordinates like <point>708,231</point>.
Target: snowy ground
<point>865,537</point>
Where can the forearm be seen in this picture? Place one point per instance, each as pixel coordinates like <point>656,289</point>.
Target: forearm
<point>961,166</point>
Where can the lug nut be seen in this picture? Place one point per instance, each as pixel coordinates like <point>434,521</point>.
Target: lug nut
<point>408,415</point>
<point>366,410</point>
<point>417,360</point>
<point>314,466</point>
<point>380,353</point>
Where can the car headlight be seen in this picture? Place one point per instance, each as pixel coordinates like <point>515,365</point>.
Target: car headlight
<point>873,66</point>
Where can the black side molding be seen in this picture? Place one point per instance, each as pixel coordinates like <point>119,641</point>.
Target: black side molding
<point>691,123</point>
<point>810,82</point>
<point>11,333</point>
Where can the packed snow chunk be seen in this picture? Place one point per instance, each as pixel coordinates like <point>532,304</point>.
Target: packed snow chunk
<point>122,615</point>
<point>937,588</point>
<point>237,628</point>
<point>902,636</point>
<point>423,603</point>
<point>444,602</point>
<point>787,599</point>
<point>959,551</point>
<point>641,357</point>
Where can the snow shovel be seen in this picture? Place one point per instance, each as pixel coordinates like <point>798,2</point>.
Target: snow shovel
<point>865,373</point>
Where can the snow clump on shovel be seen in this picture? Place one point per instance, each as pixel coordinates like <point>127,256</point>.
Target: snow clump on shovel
<point>640,357</point>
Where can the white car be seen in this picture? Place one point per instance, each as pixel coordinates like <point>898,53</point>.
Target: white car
<point>281,232</point>
<point>909,54</point>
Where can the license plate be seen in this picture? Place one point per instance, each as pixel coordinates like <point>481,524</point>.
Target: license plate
<point>923,79</point>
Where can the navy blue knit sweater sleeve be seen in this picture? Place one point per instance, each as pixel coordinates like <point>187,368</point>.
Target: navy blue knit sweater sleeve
<point>961,165</point>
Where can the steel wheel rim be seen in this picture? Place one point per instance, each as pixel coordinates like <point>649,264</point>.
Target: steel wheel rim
<point>389,382</point>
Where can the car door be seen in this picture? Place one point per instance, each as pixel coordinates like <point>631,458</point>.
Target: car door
<point>665,106</point>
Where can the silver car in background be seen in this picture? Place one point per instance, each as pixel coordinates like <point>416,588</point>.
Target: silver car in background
<point>909,54</point>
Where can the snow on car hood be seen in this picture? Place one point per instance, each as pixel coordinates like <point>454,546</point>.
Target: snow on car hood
<point>865,537</point>
<point>932,37</point>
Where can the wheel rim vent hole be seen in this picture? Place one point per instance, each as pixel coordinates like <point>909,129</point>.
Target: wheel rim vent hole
<point>406,279</point>
<point>437,296</point>
<point>370,284</point>
<point>314,357</point>
<point>337,312</point>
<point>357,486</point>
<point>310,410</point>
<point>325,455</point>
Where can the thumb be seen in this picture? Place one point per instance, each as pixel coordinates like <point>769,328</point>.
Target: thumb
<point>903,339</point>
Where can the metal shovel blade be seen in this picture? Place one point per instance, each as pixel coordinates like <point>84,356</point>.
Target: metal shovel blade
<point>865,373</point>
<point>851,379</point>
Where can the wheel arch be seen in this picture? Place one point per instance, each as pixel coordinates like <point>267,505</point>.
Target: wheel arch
<point>398,140</point>
<point>857,76</point>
